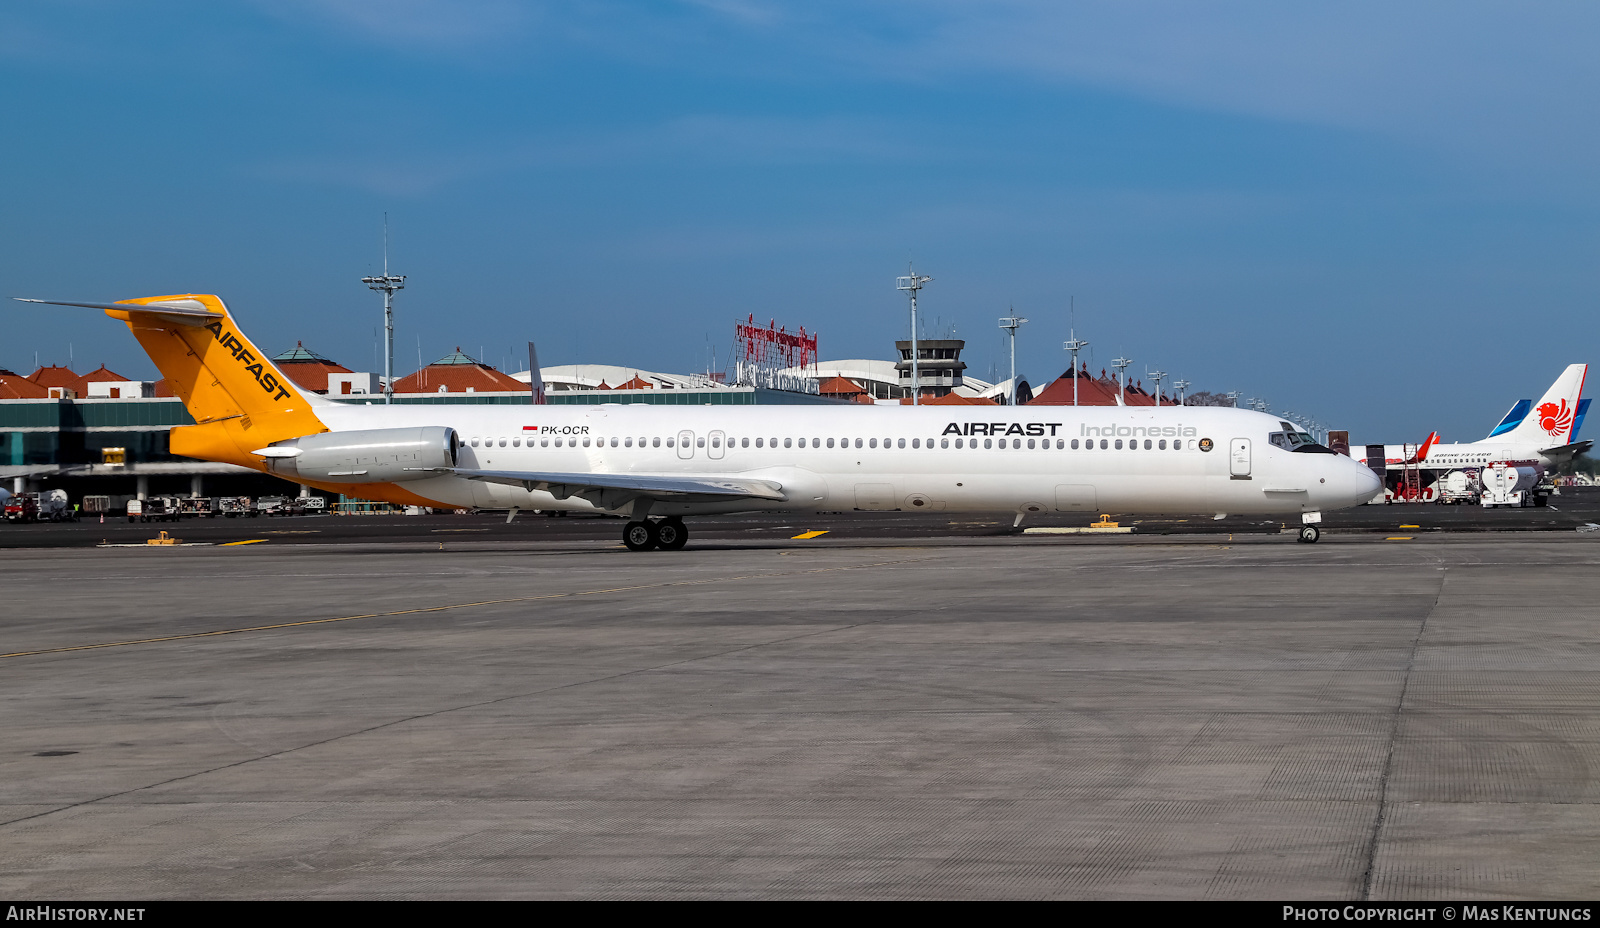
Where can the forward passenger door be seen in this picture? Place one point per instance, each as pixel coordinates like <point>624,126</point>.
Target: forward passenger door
<point>1239,459</point>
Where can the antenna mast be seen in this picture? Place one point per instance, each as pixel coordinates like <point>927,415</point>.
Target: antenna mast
<point>1011,323</point>
<point>1121,364</point>
<point>912,283</point>
<point>387,284</point>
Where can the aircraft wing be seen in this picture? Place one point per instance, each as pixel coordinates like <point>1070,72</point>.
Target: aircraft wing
<point>620,487</point>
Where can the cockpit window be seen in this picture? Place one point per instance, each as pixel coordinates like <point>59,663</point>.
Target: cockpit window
<point>1292,440</point>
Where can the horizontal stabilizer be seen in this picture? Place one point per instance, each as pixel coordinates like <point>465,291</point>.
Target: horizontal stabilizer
<point>656,486</point>
<point>183,312</point>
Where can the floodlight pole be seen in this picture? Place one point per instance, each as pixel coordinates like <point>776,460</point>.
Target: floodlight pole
<point>1121,364</point>
<point>1180,386</point>
<point>387,284</point>
<point>1011,323</point>
<point>912,283</point>
<point>1074,344</point>
<point>1233,397</point>
<point>1156,376</point>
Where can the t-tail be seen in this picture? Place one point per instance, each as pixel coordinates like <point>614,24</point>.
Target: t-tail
<point>1553,420</point>
<point>238,399</point>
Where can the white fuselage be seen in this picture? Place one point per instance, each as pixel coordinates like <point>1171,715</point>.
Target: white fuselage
<point>1463,454</point>
<point>1023,459</point>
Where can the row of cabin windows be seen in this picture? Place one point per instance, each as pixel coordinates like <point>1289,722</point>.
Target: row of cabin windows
<point>1061,444</point>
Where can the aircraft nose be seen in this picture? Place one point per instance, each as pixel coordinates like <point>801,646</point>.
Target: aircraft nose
<point>1360,481</point>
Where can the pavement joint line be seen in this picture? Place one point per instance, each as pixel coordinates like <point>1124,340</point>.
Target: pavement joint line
<point>1365,890</point>
<point>460,708</point>
<point>444,608</point>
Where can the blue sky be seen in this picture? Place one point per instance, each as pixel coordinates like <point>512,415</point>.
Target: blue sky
<point>1384,217</point>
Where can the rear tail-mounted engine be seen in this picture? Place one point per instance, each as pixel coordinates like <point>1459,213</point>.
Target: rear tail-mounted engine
<point>363,456</point>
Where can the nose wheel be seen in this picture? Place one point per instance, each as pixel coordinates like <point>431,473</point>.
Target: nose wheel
<point>668,534</point>
<point>1309,534</point>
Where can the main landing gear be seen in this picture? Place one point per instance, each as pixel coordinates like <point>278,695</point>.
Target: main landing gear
<point>1309,534</point>
<point>669,534</point>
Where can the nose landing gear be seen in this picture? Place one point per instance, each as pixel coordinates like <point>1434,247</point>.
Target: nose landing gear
<point>669,534</point>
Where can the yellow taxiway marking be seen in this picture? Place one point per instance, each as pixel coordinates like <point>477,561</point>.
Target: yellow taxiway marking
<point>1410,526</point>
<point>808,535</point>
<point>489,602</point>
<point>253,541</point>
<point>1398,538</point>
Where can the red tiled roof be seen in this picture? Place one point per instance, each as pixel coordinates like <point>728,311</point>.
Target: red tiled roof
<point>163,388</point>
<point>839,386</point>
<point>1091,391</point>
<point>637,383</point>
<point>54,376</point>
<point>458,372</point>
<point>949,399</point>
<point>102,374</point>
<point>14,386</point>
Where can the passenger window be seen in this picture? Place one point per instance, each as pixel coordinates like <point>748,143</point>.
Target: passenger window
<point>745,442</point>
<point>958,443</point>
<point>917,443</point>
<point>786,442</point>
<point>1074,444</point>
<point>902,442</point>
<point>1147,444</point>
<point>516,442</point>
<point>1061,443</point>
<point>716,442</point>
<point>1103,444</point>
<point>758,443</point>
<point>873,443</point>
<point>1176,445</point>
<point>1016,444</point>
<point>988,443</point>
<point>586,442</point>
<point>1030,444</point>
<point>700,442</point>
<point>474,443</point>
<point>502,442</point>
<point>816,443</point>
<point>655,442</point>
<point>1161,445</point>
<point>544,442</point>
<point>669,441</point>
<point>1119,444</point>
<point>830,443</point>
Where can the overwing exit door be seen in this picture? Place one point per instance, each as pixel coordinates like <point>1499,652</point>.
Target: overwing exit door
<point>1239,458</point>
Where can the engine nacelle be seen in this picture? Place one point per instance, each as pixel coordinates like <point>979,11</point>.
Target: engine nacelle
<point>364,455</point>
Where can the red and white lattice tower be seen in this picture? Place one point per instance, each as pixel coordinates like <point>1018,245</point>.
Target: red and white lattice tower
<point>773,357</point>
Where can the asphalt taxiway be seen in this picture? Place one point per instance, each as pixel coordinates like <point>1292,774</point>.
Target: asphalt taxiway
<point>928,715</point>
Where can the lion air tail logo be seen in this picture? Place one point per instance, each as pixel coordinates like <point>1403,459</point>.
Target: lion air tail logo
<point>1555,418</point>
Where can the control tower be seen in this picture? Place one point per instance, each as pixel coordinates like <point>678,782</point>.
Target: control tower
<point>939,365</point>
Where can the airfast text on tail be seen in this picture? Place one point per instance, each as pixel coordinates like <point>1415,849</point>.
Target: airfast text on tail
<point>238,399</point>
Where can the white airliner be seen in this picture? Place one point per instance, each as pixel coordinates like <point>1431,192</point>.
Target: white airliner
<point>1542,435</point>
<point>658,464</point>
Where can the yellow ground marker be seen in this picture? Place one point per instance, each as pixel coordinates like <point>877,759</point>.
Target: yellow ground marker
<point>809,535</point>
<point>1410,526</point>
<point>253,541</point>
<point>1398,538</point>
